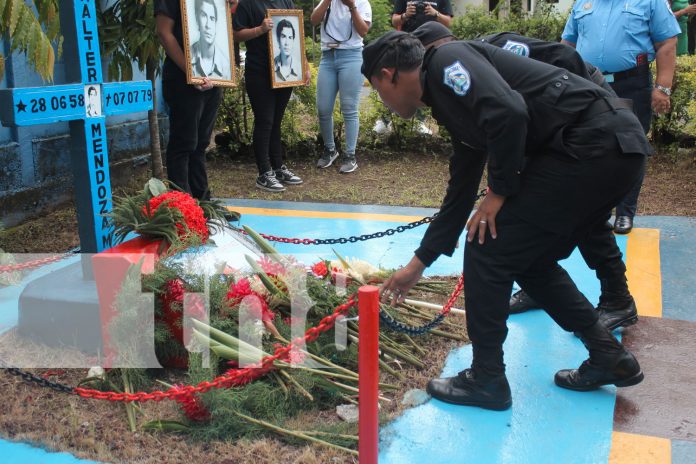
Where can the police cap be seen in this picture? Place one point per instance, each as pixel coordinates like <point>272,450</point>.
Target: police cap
<point>375,50</point>
<point>432,31</point>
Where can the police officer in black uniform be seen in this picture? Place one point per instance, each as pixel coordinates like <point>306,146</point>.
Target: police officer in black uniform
<point>599,249</point>
<point>555,144</point>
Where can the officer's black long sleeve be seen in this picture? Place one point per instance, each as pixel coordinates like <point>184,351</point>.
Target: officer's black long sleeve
<point>466,169</point>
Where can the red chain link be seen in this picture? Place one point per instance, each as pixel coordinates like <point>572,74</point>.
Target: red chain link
<point>453,297</point>
<point>231,378</point>
<point>31,264</point>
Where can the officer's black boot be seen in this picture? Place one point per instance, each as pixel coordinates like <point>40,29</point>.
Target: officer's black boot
<point>616,305</point>
<point>521,302</point>
<point>473,388</point>
<point>609,363</point>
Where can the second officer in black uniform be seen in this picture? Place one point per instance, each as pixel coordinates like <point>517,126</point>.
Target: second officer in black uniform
<point>583,150</point>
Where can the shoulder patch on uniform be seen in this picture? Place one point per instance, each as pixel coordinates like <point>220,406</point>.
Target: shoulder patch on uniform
<point>457,78</point>
<point>518,48</point>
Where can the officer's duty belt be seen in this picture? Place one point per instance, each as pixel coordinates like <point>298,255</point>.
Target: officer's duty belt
<point>603,105</point>
<point>641,70</point>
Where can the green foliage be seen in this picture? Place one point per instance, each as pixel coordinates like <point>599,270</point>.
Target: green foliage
<point>381,18</point>
<point>545,23</point>
<point>33,29</point>
<point>127,33</point>
<point>679,125</point>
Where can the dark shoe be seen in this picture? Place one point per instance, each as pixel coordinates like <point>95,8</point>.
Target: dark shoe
<point>615,314</point>
<point>267,181</point>
<point>467,389</point>
<point>287,177</point>
<point>609,363</point>
<point>623,224</point>
<point>349,164</point>
<point>521,302</point>
<point>327,159</point>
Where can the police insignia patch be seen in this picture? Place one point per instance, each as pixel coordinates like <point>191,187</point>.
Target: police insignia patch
<point>518,48</point>
<point>457,78</point>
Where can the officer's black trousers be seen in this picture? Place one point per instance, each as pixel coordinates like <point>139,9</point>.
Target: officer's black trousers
<point>192,116</point>
<point>563,199</point>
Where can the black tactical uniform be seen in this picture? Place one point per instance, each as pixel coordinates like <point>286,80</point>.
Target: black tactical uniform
<point>563,151</point>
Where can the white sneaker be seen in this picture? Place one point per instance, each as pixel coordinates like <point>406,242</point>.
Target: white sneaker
<point>423,129</point>
<point>381,128</point>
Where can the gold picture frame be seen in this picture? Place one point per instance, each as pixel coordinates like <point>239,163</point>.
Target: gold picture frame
<point>281,45</point>
<point>196,15</point>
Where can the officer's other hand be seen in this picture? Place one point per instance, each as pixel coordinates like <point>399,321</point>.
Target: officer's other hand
<point>395,289</point>
<point>660,102</point>
<point>690,10</point>
<point>410,10</point>
<point>484,217</point>
<point>266,25</point>
<point>206,85</point>
<point>429,10</point>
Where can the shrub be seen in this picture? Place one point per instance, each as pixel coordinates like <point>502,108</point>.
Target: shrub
<point>678,127</point>
<point>545,23</point>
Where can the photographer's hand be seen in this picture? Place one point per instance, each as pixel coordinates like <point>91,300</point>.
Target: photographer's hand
<point>410,10</point>
<point>430,11</point>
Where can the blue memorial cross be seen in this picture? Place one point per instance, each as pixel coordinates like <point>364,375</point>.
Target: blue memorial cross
<point>85,105</point>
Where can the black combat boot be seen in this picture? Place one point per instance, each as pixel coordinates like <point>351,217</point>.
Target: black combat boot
<point>609,363</point>
<point>521,302</point>
<point>616,305</point>
<point>473,388</point>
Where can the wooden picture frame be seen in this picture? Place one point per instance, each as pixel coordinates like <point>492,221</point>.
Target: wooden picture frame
<point>195,16</point>
<point>292,74</point>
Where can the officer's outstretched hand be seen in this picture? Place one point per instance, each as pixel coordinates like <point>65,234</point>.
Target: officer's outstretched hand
<point>395,289</point>
<point>484,217</point>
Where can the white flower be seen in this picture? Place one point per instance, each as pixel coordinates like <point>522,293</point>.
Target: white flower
<point>96,371</point>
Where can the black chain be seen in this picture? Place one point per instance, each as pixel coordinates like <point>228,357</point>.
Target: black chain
<point>40,381</point>
<point>402,327</point>
<point>363,237</point>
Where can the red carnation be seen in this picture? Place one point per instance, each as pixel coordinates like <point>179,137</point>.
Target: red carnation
<point>271,267</point>
<point>192,214</point>
<point>191,405</point>
<point>320,270</point>
<point>258,305</point>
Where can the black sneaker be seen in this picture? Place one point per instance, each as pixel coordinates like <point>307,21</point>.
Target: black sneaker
<point>327,159</point>
<point>349,164</point>
<point>267,181</point>
<point>521,302</point>
<point>286,176</point>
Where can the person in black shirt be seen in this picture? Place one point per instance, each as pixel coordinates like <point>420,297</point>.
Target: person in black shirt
<point>599,249</point>
<point>561,152</point>
<point>408,15</point>
<point>192,108</point>
<point>268,104</point>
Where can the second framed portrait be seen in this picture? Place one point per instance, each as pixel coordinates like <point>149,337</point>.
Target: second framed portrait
<point>287,48</point>
<point>208,43</point>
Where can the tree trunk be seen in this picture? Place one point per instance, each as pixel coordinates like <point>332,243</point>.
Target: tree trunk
<point>155,147</point>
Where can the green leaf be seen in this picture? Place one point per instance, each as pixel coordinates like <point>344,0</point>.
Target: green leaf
<point>261,242</point>
<point>267,282</point>
<point>166,426</point>
<point>156,187</point>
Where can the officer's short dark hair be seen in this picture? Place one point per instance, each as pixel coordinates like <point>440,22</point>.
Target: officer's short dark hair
<point>198,5</point>
<point>399,50</point>
<point>282,25</point>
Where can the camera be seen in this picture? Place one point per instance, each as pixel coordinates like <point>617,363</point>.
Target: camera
<point>420,6</point>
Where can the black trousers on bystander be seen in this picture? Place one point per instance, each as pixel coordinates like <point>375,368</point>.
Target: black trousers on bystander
<point>192,115</point>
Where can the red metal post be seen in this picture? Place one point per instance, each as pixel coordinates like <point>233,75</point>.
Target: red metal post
<point>368,370</point>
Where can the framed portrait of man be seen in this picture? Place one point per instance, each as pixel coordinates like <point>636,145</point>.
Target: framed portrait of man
<point>287,48</point>
<point>208,43</point>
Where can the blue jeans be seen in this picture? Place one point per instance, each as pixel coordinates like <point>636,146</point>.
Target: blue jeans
<point>339,73</point>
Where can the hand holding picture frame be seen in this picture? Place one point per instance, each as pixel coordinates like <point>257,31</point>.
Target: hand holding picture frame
<point>208,43</point>
<point>286,45</point>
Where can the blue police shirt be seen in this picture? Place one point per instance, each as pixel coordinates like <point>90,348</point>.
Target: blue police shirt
<point>611,34</point>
